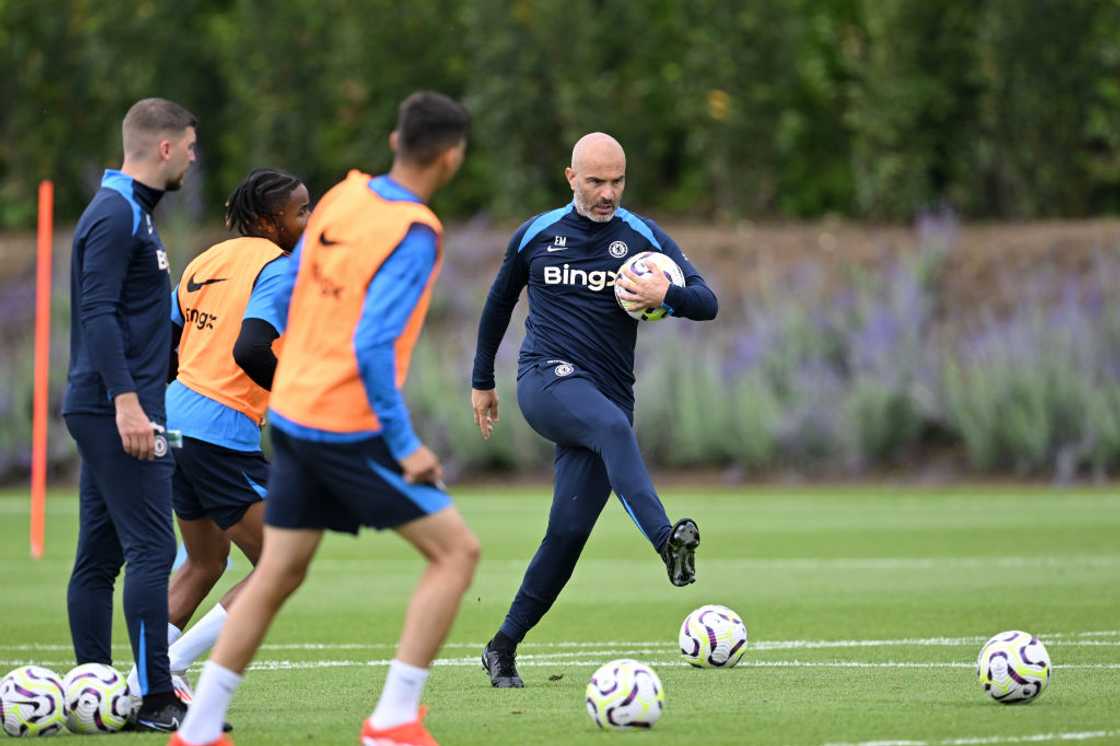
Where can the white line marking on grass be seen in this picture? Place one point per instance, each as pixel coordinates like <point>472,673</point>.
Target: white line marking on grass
<point>922,563</point>
<point>1085,735</point>
<point>277,665</point>
<point>1055,639</point>
<point>1052,640</point>
<point>468,645</point>
<point>907,664</point>
<point>546,660</point>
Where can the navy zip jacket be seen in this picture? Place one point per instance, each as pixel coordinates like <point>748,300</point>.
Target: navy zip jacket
<point>120,302</point>
<point>569,263</point>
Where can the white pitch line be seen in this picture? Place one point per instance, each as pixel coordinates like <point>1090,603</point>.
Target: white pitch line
<point>1085,735</point>
<point>920,563</point>
<point>532,662</point>
<point>909,664</point>
<point>284,665</point>
<point>1055,639</point>
<point>917,642</point>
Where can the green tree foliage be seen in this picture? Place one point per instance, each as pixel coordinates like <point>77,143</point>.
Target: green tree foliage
<point>868,108</point>
<point>1050,106</point>
<point>913,112</point>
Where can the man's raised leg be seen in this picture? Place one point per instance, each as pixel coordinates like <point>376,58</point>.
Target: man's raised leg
<point>590,419</point>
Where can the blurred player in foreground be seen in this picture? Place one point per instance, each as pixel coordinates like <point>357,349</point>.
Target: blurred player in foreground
<point>114,408</point>
<point>224,324</point>
<point>575,376</point>
<point>345,454</point>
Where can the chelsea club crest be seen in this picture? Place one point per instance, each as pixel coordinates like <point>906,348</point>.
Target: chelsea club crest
<point>618,249</point>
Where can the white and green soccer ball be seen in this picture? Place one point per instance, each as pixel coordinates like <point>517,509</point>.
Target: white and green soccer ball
<point>643,264</point>
<point>32,702</point>
<point>97,699</point>
<point>713,637</point>
<point>1013,667</point>
<point>625,694</point>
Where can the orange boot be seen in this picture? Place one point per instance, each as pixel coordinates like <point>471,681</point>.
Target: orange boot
<point>224,740</point>
<point>407,734</point>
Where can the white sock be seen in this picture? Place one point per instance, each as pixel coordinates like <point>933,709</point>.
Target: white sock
<point>198,639</point>
<point>207,712</point>
<point>400,699</point>
<point>173,634</point>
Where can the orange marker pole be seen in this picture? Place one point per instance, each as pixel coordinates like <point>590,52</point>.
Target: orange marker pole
<point>42,370</point>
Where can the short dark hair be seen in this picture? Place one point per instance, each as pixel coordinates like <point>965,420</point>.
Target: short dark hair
<point>429,123</point>
<point>261,196</point>
<point>158,115</point>
<point>151,116</point>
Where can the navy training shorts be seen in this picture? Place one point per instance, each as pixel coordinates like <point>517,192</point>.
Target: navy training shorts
<point>218,483</point>
<point>343,486</point>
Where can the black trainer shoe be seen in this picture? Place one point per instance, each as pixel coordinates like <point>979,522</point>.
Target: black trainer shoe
<point>163,718</point>
<point>134,724</point>
<point>501,667</point>
<point>679,552</point>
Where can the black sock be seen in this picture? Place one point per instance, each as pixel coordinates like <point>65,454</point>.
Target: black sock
<point>156,701</point>
<point>503,643</point>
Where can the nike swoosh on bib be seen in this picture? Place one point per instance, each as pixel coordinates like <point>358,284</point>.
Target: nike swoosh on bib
<point>194,287</point>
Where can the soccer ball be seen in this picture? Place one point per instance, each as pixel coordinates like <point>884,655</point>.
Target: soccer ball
<point>625,694</point>
<point>1013,667</point>
<point>643,264</point>
<point>713,637</point>
<point>32,702</point>
<point>97,699</point>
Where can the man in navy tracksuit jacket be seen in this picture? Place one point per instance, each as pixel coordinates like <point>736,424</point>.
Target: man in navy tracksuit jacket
<point>576,374</point>
<point>119,350</point>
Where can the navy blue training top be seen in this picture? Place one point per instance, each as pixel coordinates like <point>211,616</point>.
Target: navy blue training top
<point>569,263</point>
<point>120,302</point>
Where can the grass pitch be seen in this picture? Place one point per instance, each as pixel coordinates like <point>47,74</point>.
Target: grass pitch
<point>866,609</point>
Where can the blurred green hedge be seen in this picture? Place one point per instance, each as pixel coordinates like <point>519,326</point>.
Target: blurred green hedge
<point>794,108</point>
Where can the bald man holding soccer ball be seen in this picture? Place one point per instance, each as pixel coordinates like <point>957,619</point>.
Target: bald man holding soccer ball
<point>592,269</point>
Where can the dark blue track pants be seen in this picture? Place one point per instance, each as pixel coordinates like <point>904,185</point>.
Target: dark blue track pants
<point>124,517</point>
<point>596,452</point>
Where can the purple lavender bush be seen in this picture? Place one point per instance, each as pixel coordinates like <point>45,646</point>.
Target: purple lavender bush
<point>814,374</point>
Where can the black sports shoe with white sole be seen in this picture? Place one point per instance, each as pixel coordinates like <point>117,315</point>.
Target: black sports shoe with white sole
<point>679,552</point>
<point>163,718</point>
<point>499,664</point>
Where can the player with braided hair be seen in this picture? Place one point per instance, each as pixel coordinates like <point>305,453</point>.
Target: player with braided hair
<point>224,329</point>
<point>256,207</point>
